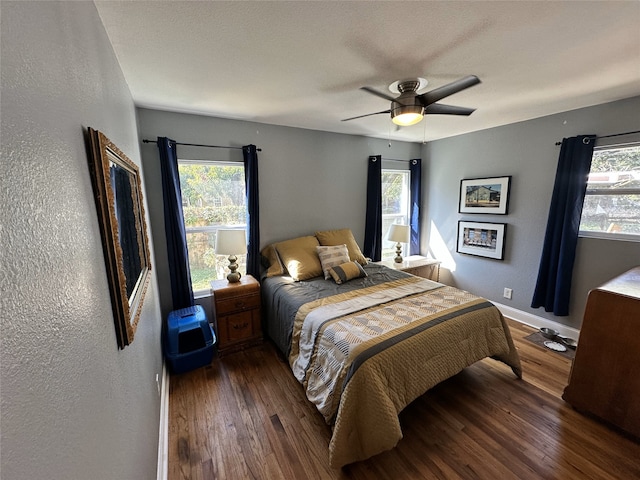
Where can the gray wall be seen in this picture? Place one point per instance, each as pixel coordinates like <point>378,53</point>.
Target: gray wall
<point>73,405</point>
<point>309,180</point>
<point>312,180</point>
<point>527,151</point>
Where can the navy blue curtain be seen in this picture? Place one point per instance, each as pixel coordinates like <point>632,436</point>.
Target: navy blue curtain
<point>250,155</point>
<point>415,174</point>
<point>553,286</point>
<point>373,219</point>
<point>178,257</point>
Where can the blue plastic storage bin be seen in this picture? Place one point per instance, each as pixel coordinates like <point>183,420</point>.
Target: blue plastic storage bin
<point>190,340</point>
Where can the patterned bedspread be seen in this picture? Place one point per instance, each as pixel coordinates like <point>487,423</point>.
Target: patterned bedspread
<point>364,355</point>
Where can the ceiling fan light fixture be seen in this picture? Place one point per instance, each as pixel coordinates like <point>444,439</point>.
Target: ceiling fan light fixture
<point>410,106</point>
<point>405,115</point>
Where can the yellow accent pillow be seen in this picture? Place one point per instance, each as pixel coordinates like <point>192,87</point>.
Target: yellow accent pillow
<point>300,258</point>
<point>347,271</point>
<point>343,236</point>
<point>272,261</point>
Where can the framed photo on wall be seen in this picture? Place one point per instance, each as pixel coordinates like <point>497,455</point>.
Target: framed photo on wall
<point>485,195</point>
<point>483,239</point>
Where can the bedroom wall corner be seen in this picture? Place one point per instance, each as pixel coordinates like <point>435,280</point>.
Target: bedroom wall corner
<point>528,152</point>
<point>309,180</point>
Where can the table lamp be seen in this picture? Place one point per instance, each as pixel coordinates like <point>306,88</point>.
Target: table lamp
<point>400,234</point>
<point>231,243</point>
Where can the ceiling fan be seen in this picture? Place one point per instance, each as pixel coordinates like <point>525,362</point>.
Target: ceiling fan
<point>409,107</point>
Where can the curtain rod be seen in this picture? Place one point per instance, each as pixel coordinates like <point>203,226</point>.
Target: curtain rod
<point>609,136</point>
<point>198,145</point>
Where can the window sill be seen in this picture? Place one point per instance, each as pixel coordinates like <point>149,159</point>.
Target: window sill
<point>624,237</point>
<point>201,294</point>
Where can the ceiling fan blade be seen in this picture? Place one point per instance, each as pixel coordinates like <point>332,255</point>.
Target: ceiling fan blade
<point>367,115</point>
<point>449,89</point>
<point>440,109</point>
<point>378,93</point>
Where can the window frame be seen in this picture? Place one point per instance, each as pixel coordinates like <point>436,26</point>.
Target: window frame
<point>590,192</point>
<point>388,247</point>
<point>212,229</point>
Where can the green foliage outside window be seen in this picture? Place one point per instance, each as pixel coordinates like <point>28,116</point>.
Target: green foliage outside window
<point>213,196</point>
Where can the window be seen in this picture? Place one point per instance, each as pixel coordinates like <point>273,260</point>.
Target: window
<point>213,197</point>
<point>611,206</point>
<point>396,199</point>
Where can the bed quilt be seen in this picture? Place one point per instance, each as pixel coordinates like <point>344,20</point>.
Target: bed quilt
<point>364,354</point>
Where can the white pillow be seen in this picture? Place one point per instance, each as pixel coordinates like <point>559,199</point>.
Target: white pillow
<point>332,256</point>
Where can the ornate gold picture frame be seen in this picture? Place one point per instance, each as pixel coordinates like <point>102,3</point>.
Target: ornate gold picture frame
<point>118,192</point>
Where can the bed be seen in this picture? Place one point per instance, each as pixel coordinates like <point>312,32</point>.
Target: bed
<point>365,340</point>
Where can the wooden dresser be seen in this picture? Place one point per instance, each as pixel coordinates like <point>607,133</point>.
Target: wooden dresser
<point>604,378</point>
<point>236,308</point>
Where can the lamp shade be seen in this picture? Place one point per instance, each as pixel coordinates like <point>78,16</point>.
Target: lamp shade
<point>231,242</point>
<point>399,233</point>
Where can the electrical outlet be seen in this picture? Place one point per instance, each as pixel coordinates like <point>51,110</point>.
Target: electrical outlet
<point>507,293</point>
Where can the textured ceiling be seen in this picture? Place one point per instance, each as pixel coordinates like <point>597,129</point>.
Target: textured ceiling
<point>301,63</point>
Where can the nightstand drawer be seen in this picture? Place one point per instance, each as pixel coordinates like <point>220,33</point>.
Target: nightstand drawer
<point>238,327</point>
<point>237,304</point>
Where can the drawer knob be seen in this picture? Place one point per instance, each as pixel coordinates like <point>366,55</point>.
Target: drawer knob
<point>240,304</point>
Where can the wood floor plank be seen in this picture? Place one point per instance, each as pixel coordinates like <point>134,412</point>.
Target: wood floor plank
<point>245,416</point>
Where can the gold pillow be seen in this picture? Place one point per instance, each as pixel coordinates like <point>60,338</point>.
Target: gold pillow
<point>300,258</point>
<point>347,271</point>
<point>338,237</point>
<point>271,261</point>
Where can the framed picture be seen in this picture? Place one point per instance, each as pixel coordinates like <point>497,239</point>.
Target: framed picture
<point>485,195</point>
<point>483,239</point>
<point>123,228</point>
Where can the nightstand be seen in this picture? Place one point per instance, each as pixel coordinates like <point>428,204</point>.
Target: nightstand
<point>236,308</point>
<point>417,265</point>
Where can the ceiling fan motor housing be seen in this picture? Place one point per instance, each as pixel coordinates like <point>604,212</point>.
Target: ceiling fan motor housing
<point>401,108</point>
<point>408,86</point>
<point>407,102</point>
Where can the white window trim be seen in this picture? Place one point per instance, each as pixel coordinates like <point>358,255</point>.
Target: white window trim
<point>407,203</point>
<point>221,163</point>
<point>621,237</point>
<point>206,292</point>
<point>398,217</point>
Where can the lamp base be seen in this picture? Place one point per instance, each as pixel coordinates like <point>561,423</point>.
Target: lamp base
<point>398,258</point>
<point>234,276</point>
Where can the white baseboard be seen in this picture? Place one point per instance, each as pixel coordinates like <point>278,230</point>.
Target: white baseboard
<point>537,322</point>
<point>163,435</point>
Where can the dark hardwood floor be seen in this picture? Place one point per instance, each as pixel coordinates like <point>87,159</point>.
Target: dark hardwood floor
<point>246,417</point>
